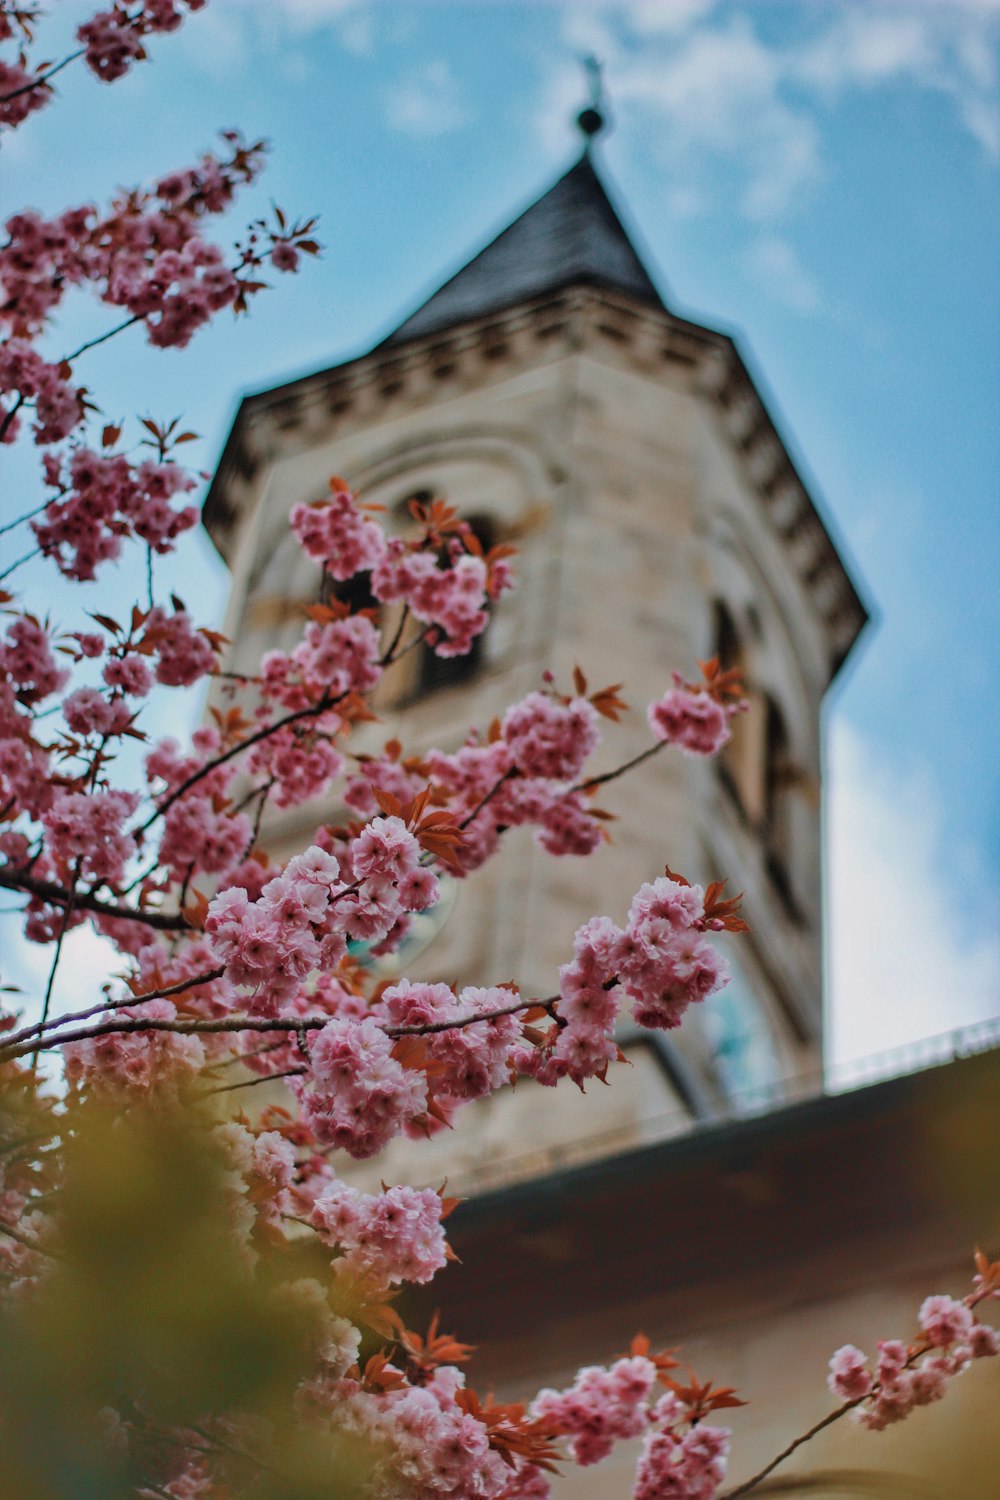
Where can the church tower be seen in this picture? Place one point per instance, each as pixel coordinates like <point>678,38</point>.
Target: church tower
<point>549,392</point>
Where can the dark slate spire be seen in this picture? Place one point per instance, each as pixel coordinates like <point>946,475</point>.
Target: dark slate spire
<point>572,235</point>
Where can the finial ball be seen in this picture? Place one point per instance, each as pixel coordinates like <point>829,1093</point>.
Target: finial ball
<point>590,121</point>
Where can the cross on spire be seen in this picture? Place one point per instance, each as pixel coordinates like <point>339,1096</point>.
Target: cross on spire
<point>592,119</point>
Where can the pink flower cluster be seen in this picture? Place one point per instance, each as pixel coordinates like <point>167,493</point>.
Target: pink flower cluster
<point>24,770</point>
<point>272,944</point>
<point>468,1061</point>
<point>694,721</point>
<point>298,763</point>
<point>601,1407</point>
<point>449,594</point>
<point>136,1060</point>
<point>27,662</point>
<point>302,919</point>
<point>550,739</point>
<point>112,38</point>
<point>338,534</point>
<point>391,1236</point>
<point>433,1450</point>
<point>338,657</point>
<point>914,1375</point>
<point>664,961</point>
<point>85,829</point>
<point>677,1464</point>
<point>325,995</point>
<point>358,1096</point>
<point>146,255</point>
<point>183,654</point>
<point>199,834</point>
<point>17,99</point>
<point>201,829</point>
<point>105,497</point>
<point>265,1162</point>
<point>485,787</point>
<point>661,959</point>
<point>88,711</point>
<point>58,403</point>
<point>447,589</point>
<point>383,861</point>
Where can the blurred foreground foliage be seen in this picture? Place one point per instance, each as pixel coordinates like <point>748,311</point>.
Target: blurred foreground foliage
<point>154,1335</point>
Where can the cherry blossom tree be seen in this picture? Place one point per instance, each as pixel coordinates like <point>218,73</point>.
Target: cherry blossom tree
<point>195,1302</point>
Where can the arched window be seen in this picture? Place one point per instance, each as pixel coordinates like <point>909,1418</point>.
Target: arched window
<point>742,762</point>
<point>756,766</point>
<point>776,824</point>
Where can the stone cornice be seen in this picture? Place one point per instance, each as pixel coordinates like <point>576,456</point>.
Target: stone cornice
<point>317,407</point>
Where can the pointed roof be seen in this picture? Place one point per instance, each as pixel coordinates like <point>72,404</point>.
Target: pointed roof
<point>572,234</point>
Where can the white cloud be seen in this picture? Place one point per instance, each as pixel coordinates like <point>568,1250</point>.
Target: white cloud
<point>701,89</point>
<point>222,37</point>
<point>652,17</point>
<point>949,49</point>
<point>709,88</point>
<point>775,264</point>
<point>867,47</point>
<point>427,101</point>
<point>906,958</point>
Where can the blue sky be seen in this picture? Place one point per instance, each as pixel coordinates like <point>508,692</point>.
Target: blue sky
<point>822,179</point>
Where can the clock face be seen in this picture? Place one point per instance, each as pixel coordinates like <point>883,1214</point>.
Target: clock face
<point>424,928</point>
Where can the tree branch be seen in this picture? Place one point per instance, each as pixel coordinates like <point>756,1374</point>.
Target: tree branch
<point>312,712</point>
<point>41,1027</point>
<point>57,895</point>
<point>197,1025</point>
<point>828,1420</point>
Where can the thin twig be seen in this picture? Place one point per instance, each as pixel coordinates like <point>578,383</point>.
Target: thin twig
<point>828,1420</point>
<point>388,654</point>
<point>28,515</point>
<point>10,415</point>
<point>469,817</point>
<point>63,928</point>
<point>637,760</point>
<point>917,1351</point>
<point>410,646</point>
<point>102,338</point>
<point>249,1083</point>
<point>27,1242</point>
<point>43,78</point>
<point>15,565</point>
<point>312,712</point>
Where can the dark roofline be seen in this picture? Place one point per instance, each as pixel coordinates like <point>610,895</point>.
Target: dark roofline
<point>571,233</point>
<point>706,1145</point>
<point>759,1215</point>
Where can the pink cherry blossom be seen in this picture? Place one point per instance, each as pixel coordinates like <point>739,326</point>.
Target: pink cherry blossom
<point>338,535</point>
<point>359,1096</point>
<point>693,721</point>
